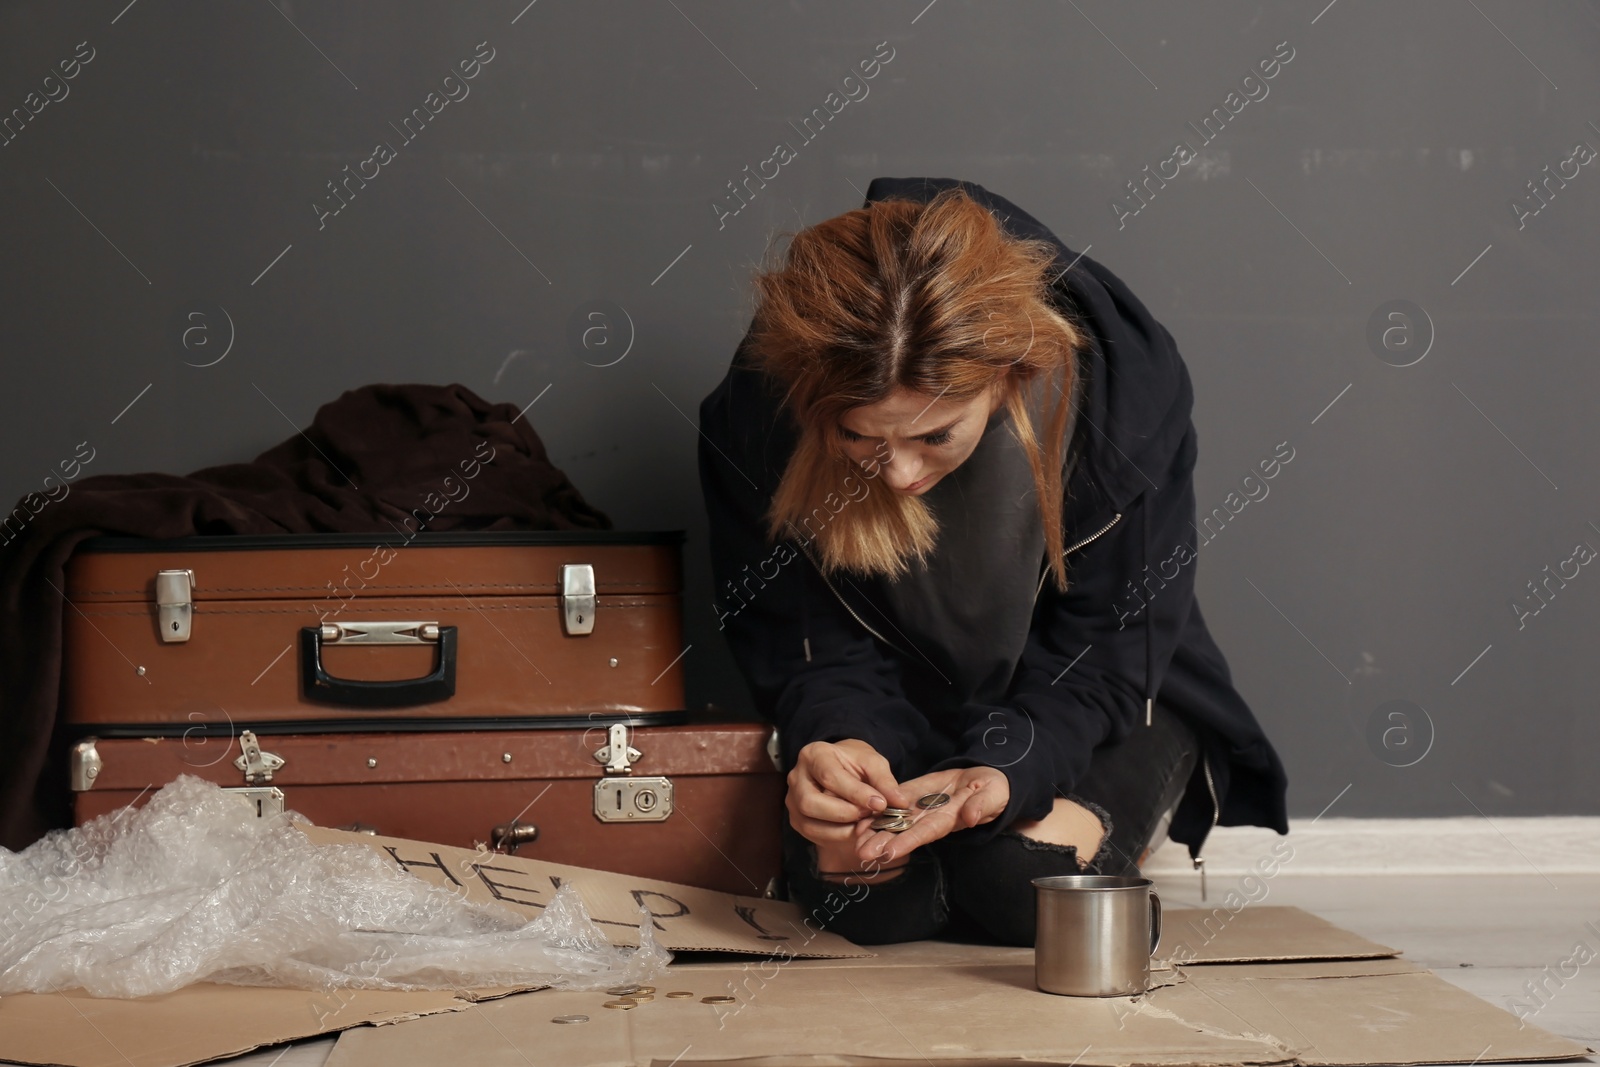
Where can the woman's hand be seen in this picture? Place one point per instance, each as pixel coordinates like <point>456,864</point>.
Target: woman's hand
<point>837,787</point>
<point>977,795</point>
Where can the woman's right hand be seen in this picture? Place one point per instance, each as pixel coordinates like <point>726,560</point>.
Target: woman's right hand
<point>834,786</point>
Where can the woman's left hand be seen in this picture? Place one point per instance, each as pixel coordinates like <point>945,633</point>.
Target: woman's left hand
<point>977,795</point>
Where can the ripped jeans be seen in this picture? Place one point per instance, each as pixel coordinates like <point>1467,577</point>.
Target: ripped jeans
<point>951,887</point>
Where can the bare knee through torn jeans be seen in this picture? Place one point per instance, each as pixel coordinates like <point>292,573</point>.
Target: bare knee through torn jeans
<point>950,885</point>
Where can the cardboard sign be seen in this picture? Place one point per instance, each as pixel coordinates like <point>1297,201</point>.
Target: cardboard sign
<point>684,918</point>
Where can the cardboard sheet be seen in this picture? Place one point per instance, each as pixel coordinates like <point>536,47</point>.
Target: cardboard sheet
<point>814,1012</point>
<point>685,918</point>
<point>206,1021</point>
<point>1398,1018</point>
<point>194,1024</point>
<point>1303,992</point>
<point>1217,935</point>
<point>948,1004</point>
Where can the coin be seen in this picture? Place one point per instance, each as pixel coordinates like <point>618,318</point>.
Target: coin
<point>622,990</point>
<point>570,1019</point>
<point>640,998</point>
<point>934,800</point>
<point>624,1004</point>
<point>716,1000</point>
<point>679,994</point>
<point>646,988</point>
<point>893,823</point>
<point>895,811</point>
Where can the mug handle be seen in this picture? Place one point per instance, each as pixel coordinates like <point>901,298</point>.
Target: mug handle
<point>1155,921</point>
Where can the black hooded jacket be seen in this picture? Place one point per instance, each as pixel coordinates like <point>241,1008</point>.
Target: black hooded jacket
<point>1095,655</point>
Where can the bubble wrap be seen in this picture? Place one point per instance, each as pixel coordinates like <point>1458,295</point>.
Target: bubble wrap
<point>194,887</point>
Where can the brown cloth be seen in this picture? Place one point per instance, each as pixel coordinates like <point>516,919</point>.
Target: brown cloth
<point>374,460</point>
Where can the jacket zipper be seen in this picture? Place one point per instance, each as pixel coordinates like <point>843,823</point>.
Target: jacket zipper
<point>1073,548</point>
<point>1094,535</point>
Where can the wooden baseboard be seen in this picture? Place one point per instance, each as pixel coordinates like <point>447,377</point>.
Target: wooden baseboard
<point>1471,845</point>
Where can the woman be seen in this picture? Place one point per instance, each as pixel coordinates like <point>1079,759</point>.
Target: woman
<point>951,508</point>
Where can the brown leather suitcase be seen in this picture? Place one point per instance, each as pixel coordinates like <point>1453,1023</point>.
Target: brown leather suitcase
<point>346,632</point>
<point>493,688</point>
<point>700,803</point>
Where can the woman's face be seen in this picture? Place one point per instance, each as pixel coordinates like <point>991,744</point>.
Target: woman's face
<point>916,439</point>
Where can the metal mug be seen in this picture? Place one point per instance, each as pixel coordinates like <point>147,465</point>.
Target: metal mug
<point>1096,934</point>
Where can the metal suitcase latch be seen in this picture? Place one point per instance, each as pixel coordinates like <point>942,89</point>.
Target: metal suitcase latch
<point>266,800</point>
<point>84,766</point>
<point>577,597</point>
<point>622,797</point>
<point>617,755</point>
<point>175,604</point>
<point>256,764</point>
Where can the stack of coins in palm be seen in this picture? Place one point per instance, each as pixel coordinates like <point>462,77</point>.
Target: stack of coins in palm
<point>899,820</point>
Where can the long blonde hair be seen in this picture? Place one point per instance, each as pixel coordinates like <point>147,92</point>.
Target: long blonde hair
<point>933,297</point>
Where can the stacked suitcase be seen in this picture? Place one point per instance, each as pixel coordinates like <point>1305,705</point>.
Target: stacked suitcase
<point>519,690</point>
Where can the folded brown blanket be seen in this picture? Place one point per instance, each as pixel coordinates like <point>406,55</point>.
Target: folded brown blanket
<point>382,458</point>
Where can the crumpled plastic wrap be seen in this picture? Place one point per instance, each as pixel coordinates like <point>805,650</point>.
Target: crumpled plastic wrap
<point>195,887</point>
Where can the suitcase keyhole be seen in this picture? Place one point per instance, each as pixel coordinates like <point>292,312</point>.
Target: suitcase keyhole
<point>619,800</point>
<point>174,624</point>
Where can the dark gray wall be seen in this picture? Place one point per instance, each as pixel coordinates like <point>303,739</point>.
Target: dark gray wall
<point>584,165</point>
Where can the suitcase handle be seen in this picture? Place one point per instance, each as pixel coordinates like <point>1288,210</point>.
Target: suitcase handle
<point>316,684</point>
